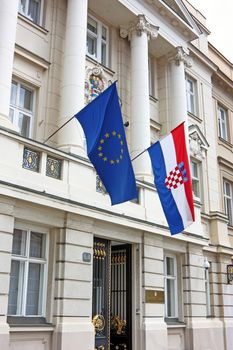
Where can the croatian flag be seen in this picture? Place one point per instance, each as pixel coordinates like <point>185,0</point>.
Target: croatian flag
<point>173,180</point>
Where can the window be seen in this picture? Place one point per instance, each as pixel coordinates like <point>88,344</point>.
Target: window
<point>97,38</point>
<point>191,95</point>
<point>227,195</point>
<point>170,281</point>
<point>151,77</point>
<point>207,289</point>
<point>21,108</point>
<point>31,9</point>
<point>223,123</point>
<point>195,173</point>
<point>28,273</point>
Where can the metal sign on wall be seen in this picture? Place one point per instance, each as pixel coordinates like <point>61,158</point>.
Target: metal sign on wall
<point>229,274</point>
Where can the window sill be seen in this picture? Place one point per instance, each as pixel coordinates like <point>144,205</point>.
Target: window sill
<point>174,323</point>
<point>33,24</point>
<point>190,114</point>
<point>224,142</point>
<point>28,322</point>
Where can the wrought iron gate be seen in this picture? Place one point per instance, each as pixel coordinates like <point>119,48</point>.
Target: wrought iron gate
<point>112,296</point>
<point>101,292</point>
<point>120,336</point>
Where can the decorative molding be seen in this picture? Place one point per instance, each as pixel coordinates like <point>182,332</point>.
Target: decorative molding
<point>198,144</point>
<point>182,55</point>
<point>140,26</point>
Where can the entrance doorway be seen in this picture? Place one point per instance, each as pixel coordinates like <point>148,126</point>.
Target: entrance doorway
<point>112,292</point>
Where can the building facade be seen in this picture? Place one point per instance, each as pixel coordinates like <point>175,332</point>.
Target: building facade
<point>76,272</point>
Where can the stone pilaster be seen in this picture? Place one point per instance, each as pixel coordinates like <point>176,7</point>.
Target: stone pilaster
<point>6,234</point>
<point>73,290</point>
<point>139,32</point>
<point>8,22</point>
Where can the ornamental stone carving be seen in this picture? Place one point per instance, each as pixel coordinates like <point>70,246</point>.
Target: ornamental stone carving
<point>182,56</point>
<point>197,142</point>
<point>140,26</point>
<point>95,82</point>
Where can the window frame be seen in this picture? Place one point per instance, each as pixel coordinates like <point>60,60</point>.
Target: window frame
<point>17,109</point>
<point>226,198</point>
<point>223,122</point>
<point>194,178</point>
<point>191,95</point>
<point>23,275</point>
<point>99,40</point>
<point>25,14</point>
<point>175,279</point>
<point>207,290</point>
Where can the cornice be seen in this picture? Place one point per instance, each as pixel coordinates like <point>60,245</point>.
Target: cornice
<point>203,58</point>
<point>188,28</point>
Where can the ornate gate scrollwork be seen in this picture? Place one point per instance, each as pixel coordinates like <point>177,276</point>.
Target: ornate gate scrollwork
<point>101,293</point>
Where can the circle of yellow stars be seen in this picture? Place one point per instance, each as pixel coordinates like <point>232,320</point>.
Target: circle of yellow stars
<point>100,148</point>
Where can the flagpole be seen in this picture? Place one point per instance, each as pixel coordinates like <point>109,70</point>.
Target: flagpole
<point>59,129</point>
<point>48,138</point>
<point>138,155</point>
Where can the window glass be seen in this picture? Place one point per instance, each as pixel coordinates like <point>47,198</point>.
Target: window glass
<point>104,33</point>
<point>190,92</point>
<point>16,287</point>
<point>227,194</point>
<point>13,93</point>
<point>24,124</point>
<point>27,289</point>
<point>34,8</point>
<point>92,25</point>
<point>195,178</point>
<point>171,293</point>
<point>25,98</point>
<point>21,108</point>
<point>37,245</point>
<point>33,289</point>
<point>19,243</point>
<point>97,45</point>
<point>170,266</point>
<point>103,54</point>
<point>223,123</point>
<point>91,45</point>
<point>31,9</point>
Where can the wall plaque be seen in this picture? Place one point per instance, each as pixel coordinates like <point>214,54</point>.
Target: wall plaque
<point>154,296</point>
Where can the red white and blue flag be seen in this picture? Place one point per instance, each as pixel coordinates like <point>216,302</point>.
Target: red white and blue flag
<point>173,180</point>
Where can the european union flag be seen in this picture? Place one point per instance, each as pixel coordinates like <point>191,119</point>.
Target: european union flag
<point>107,149</point>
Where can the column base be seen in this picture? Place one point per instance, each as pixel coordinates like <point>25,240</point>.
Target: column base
<point>155,335</point>
<point>68,334</point>
<point>205,334</point>
<point>4,336</point>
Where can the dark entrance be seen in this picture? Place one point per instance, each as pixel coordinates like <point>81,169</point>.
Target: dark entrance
<point>112,295</point>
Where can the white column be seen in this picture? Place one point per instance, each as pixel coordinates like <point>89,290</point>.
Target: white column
<point>70,138</point>
<point>178,101</point>
<point>139,33</point>
<point>8,22</point>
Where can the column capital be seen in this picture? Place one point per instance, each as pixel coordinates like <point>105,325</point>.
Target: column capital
<point>141,25</point>
<point>181,55</point>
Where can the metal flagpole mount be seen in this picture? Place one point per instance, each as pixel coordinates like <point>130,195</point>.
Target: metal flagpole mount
<point>48,138</point>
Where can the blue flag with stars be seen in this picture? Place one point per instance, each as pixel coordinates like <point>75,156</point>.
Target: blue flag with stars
<point>107,149</point>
